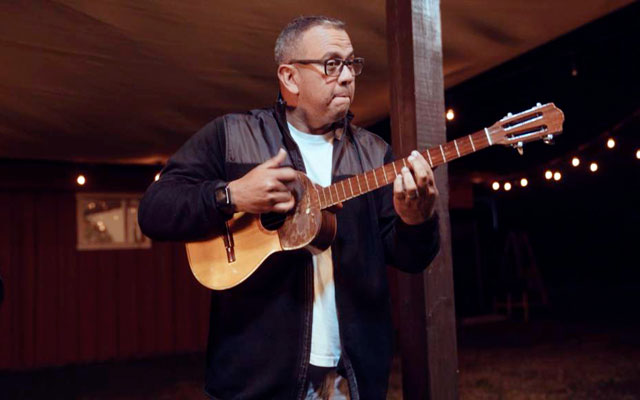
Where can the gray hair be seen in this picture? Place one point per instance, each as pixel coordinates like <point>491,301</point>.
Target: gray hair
<point>288,39</point>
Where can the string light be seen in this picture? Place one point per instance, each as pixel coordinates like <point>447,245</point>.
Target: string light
<point>81,180</point>
<point>157,176</point>
<point>575,160</point>
<point>638,154</point>
<point>574,71</point>
<point>450,114</point>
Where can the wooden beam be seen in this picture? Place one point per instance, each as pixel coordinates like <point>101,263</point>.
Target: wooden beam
<point>425,302</point>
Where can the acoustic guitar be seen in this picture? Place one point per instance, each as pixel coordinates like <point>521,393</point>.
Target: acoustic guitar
<point>239,247</point>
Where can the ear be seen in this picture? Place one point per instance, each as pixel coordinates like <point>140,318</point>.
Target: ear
<point>288,77</point>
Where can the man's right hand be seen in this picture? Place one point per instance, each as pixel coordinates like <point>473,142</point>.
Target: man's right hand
<point>264,188</point>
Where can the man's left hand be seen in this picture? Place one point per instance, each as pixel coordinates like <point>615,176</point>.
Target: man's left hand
<point>415,191</point>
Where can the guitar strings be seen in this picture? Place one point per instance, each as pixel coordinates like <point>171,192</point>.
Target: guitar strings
<point>272,221</point>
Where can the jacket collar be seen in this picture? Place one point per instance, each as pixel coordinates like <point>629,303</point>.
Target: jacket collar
<point>281,116</point>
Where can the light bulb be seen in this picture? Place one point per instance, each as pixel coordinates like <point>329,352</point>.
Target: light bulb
<point>450,114</point>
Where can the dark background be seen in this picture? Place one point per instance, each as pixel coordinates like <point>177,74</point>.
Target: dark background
<point>585,229</point>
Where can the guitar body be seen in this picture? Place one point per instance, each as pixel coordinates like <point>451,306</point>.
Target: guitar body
<point>236,250</point>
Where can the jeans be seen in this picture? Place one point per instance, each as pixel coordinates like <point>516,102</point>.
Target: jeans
<point>326,384</point>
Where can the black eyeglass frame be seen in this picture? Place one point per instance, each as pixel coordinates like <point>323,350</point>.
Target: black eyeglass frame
<point>349,63</point>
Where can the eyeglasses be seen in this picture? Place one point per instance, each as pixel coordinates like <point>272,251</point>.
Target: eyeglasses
<point>333,66</point>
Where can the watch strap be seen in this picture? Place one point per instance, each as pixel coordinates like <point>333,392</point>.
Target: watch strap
<point>223,200</point>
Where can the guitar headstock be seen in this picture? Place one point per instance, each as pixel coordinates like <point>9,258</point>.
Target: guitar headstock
<point>543,121</point>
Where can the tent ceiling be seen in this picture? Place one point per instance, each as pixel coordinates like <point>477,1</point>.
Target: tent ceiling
<point>129,81</point>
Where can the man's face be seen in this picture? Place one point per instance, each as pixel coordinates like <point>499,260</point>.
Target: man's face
<point>325,99</point>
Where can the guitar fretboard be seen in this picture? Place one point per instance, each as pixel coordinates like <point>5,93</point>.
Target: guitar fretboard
<point>371,180</point>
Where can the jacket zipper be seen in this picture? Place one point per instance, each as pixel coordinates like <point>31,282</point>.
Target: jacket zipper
<point>306,332</point>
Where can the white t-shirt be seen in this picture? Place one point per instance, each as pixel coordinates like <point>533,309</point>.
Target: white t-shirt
<point>317,153</point>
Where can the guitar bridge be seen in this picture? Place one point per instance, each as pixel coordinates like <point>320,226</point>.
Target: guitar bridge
<point>228,244</point>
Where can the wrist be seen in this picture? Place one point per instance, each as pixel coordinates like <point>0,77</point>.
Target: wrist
<point>419,218</point>
<point>411,230</point>
<point>224,201</point>
<point>235,194</point>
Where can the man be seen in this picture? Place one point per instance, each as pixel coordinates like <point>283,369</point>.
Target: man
<point>301,326</point>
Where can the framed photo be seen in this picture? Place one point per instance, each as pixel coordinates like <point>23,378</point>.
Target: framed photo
<point>109,221</point>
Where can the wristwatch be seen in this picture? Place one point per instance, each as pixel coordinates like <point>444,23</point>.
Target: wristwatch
<point>222,197</point>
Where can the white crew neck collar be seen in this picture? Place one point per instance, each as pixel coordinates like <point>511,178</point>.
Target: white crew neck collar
<point>309,137</point>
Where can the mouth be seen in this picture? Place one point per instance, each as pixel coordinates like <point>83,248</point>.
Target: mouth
<point>342,97</point>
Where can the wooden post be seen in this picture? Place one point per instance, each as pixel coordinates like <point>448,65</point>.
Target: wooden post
<point>425,302</point>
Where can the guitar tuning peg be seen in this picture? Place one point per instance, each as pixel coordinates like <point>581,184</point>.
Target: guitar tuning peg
<point>538,104</point>
<point>509,114</point>
<point>519,147</point>
<point>548,139</point>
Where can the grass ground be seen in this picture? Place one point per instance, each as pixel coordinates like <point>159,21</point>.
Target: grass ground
<point>508,360</point>
<point>593,365</point>
<point>545,360</point>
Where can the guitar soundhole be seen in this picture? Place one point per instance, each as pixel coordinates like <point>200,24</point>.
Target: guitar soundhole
<point>272,221</point>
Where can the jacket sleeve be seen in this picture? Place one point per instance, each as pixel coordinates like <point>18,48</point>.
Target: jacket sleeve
<point>180,205</point>
<point>410,248</point>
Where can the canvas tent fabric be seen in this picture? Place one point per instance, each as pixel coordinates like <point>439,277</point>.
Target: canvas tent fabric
<point>127,81</point>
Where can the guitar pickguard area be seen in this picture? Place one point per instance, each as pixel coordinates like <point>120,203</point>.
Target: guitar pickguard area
<point>302,225</point>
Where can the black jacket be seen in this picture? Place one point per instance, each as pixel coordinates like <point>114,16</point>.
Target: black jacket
<point>260,330</point>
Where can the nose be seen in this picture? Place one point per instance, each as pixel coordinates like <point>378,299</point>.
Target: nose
<point>346,75</point>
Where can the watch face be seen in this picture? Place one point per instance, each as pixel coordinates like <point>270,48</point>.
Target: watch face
<point>221,197</point>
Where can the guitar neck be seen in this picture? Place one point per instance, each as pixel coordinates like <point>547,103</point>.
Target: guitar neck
<point>376,178</point>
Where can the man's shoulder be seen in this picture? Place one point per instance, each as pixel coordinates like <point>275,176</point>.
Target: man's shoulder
<point>236,121</point>
<point>250,116</point>
<point>239,122</point>
<point>369,139</point>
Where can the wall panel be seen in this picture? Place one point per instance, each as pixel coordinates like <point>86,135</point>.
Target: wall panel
<point>67,282</point>
<point>163,266</point>
<point>64,306</point>
<point>126,305</point>
<point>22,289</point>
<point>6,316</point>
<point>47,329</point>
<point>107,317</point>
<point>87,272</point>
<point>146,302</point>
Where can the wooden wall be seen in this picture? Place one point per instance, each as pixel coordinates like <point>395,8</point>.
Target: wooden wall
<point>66,306</point>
